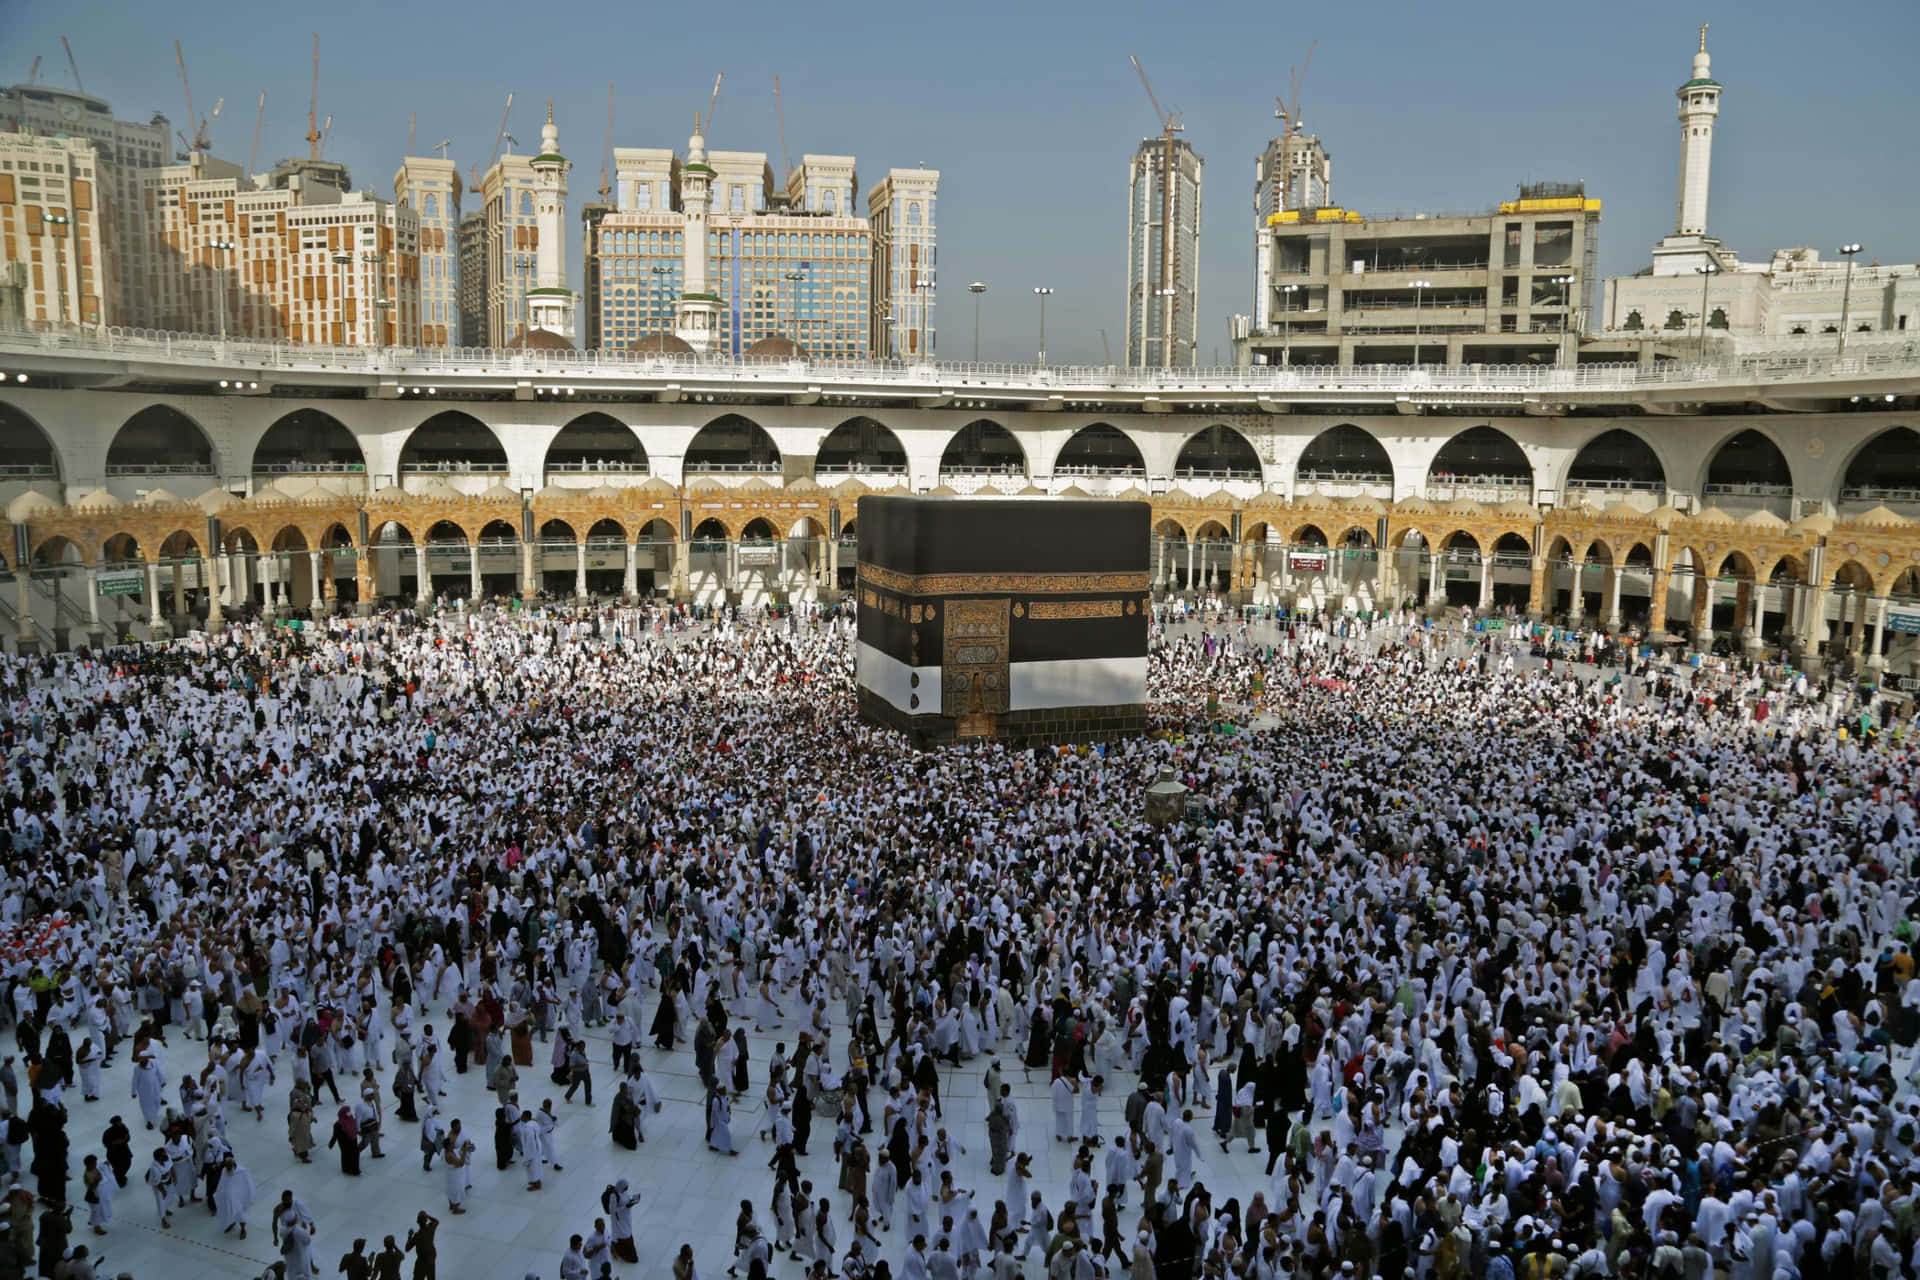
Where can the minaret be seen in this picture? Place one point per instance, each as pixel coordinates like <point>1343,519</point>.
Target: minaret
<point>550,303</point>
<point>1699,105</point>
<point>696,317</point>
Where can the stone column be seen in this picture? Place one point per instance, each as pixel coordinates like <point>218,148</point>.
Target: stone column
<point>1486,582</point>
<point>210,569</point>
<point>363,581</point>
<point>423,581</point>
<point>179,590</point>
<point>153,596</point>
<point>833,565</point>
<point>1436,580</point>
<point>1813,605</point>
<point>1615,573</point>
<point>1657,606</point>
<point>317,602</point>
<point>580,567</point>
<point>1286,572</point>
<point>1876,660</point>
<point>529,584</point>
<point>1160,563</point>
<point>25,641</point>
<point>1857,635</point>
<point>93,599</point>
<point>1190,574</point>
<point>473,571</point>
<point>1577,598</point>
<point>1233,568</point>
<point>630,587</point>
<point>1755,615</point>
<point>329,590</point>
<point>1702,612</point>
<point>681,588</point>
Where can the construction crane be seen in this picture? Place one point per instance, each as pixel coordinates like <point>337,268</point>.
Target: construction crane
<point>413,119</point>
<point>501,132</point>
<point>72,65</point>
<point>606,156</point>
<point>33,76</point>
<point>715,101</point>
<point>780,114</point>
<point>1287,110</point>
<point>314,136</point>
<point>259,114</point>
<point>326,132</point>
<point>1170,124</point>
<point>1106,347</point>
<point>199,140</point>
<point>442,145</point>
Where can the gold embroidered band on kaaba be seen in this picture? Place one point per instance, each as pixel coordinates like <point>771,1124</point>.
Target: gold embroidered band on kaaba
<point>944,584</point>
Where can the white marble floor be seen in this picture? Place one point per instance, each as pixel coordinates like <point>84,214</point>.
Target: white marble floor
<point>688,1194</point>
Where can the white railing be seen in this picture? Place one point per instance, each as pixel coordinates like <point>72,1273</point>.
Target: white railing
<point>1619,486</point>
<point>451,466</point>
<point>422,367</point>
<point>301,467</point>
<point>159,468</point>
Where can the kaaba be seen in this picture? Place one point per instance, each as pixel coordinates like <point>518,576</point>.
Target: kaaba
<point>1019,619</point>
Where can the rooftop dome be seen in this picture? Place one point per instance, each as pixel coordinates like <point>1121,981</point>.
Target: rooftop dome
<point>777,347</point>
<point>29,504</point>
<point>661,344</point>
<point>538,340</point>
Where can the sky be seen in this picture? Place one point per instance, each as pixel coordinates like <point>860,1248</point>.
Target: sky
<point>1031,112</point>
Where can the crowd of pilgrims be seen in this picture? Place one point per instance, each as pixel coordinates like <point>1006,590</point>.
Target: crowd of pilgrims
<point>1501,970</point>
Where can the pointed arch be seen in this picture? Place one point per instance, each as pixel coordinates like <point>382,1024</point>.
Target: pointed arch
<point>1884,469</point>
<point>733,442</point>
<point>1483,456</point>
<point>983,447</point>
<point>1218,452</point>
<point>453,441</point>
<point>1749,463</point>
<point>26,450</point>
<point>860,446</point>
<point>160,440</point>
<point>1344,453</point>
<point>597,442</point>
<point>307,439</point>
<point>1617,459</point>
<point>1100,448</point>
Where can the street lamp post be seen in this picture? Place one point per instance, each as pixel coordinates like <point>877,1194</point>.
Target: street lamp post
<point>220,281</point>
<point>57,224</point>
<point>976,289</point>
<point>376,261</point>
<point>1706,271</point>
<point>1419,288</point>
<point>1567,327</point>
<point>1286,322</point>
<point>341,261</point>
<point>793,303</point>
<point>922,287</point>
<point>1043,292</point>
<point>1847,251</point>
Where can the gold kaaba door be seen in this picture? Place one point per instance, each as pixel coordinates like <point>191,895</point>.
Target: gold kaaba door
<point>973,679</point>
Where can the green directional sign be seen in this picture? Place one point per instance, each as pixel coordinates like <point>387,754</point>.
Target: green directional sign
<point>122,582</point>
